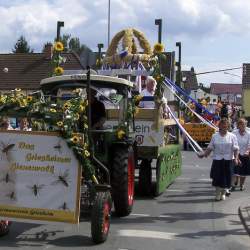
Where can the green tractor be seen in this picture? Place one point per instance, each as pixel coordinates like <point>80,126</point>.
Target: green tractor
<point>111,147</point>
<point>105,153</point>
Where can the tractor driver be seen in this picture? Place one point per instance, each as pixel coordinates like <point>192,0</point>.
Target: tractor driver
<point>150,91</point>
<point>98,114</point>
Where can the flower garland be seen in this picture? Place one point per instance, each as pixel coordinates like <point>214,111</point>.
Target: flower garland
<point>57,59</point>
<point>155,63</point>
<point>67,117</point>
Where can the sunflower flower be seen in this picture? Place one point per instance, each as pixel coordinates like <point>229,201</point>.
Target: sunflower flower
<point>86,153</point>
<point>22,103</point>
<point>76,117</point>
<point>158,48</point>
<point>120,134</point>
<point>66,105</point>
<point>58,70</point>
<point>75,139</point>
<point>158,77</point>
<point>58,46</point>
<point>137,99</point>
<point>81,108</point>
<point>59,124</point>
<point>29,98</point>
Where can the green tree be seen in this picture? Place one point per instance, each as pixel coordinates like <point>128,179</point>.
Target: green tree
<point>22,46</point>
<point>73,44</point>
<point>45,45</point>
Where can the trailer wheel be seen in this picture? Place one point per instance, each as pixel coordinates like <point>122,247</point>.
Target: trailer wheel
<point>100,217</point>
<point>145,177</point>
<point>122,180</point>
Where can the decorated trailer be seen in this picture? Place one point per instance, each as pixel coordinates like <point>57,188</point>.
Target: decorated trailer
<point>156,136</point>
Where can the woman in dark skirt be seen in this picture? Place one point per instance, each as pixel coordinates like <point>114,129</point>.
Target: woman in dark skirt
<point>243,168</point>
<point>225,150</point>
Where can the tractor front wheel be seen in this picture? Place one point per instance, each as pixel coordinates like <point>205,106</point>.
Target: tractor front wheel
<point>122,180</point>
<point>100,217</point>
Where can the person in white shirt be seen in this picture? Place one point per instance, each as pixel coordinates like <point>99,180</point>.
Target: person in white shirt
<point>243,168</point>
<point>24,125</point>
<point>150,91</point>
<point>5,124</point>
<point>225,150</point>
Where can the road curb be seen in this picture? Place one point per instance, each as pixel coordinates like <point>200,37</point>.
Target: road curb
<point>244,214</point>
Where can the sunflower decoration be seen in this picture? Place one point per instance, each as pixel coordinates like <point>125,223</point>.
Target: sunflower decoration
<point>137,99</point>
<point>59,124</point>
<point>58,71</point>
<point>158,48</point>
<point>29,99</point>
<point>52,110</point>
<point>75,139</point>
<point>120,133</point>
<point>58,46</point>
<point>86,153</point>
<point>22,102</point>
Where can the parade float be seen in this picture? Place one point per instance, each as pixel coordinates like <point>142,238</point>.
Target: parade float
<point>130,56</point>
<point>64,167</point>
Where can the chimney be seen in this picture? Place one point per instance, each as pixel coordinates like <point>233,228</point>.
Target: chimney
<point>48,51</point>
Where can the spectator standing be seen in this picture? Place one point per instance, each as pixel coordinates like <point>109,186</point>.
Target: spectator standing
<point>224,110</point>
<point>24,125</point>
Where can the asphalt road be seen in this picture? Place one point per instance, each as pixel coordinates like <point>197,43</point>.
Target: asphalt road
<point>184,217</point>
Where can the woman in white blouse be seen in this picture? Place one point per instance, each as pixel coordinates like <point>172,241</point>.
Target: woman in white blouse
<point>242,169</point>
<point>225,150</point>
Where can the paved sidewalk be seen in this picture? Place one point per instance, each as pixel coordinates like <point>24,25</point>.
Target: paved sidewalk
<point>244,213</point>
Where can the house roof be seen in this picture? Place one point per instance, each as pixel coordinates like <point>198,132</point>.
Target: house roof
<point>225,88</point>
<point>25,71</point>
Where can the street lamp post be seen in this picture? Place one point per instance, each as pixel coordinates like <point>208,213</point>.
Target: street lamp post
<point>100,46</point>
<point>178,79</point>
<point>195,92</point>
<point>178,64</point>
<point>108,22</point>
<point>159,23</point>
<point>59,25</point>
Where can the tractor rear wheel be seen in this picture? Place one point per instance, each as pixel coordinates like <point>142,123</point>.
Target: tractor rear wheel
<point>122,180</point>
<point>100,217</point>
<point>145,177</point>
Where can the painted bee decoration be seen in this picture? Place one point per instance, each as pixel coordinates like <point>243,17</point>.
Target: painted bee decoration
<point>7,178</point>
<point>36,188</point>
<point>58,147</point>
<point>5,150</point>
<point>12,195</point>
<point>64,206</point>
<point>62,178</point>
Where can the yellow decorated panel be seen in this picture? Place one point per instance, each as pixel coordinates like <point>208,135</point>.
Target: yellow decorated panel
<point>199,132</point>
<point>246,101</point>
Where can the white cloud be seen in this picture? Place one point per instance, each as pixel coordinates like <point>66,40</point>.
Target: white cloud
<point>193,19</point>
<point>194,22</point>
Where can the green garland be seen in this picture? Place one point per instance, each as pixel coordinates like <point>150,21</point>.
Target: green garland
<point>67,117</point>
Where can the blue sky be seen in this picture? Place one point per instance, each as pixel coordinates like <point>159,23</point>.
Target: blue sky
<point>215,34</point>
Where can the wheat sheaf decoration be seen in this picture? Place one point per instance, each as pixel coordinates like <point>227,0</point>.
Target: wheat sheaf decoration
<point>132,41</point>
